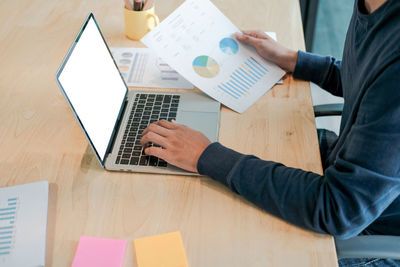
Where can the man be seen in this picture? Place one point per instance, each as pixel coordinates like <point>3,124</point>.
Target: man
<point>359,192</point>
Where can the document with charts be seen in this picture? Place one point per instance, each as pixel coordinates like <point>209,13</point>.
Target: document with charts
<point>23,222</point>
<point>140,67</point>
<point>197,41</point>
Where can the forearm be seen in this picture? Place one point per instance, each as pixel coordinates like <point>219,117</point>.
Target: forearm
<point>286,59</point>
<point>257,181</point>
<point>332,204</point>
<point>323,71</point>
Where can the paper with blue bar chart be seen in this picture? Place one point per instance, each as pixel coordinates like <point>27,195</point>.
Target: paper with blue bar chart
<point>23,222</point>
<point>197,41</point>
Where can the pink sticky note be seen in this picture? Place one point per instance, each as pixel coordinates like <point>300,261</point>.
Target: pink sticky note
<point>99,252</point>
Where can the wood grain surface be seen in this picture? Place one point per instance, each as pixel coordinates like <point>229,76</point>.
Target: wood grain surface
<point>40,140</point>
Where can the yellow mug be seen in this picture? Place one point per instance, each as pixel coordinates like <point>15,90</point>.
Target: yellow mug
<point>138,23</point>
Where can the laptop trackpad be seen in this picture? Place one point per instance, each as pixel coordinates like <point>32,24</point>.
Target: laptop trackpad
<point>205,122</point>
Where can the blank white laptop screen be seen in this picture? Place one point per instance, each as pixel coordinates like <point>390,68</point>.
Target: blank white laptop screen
<point>93,86</point>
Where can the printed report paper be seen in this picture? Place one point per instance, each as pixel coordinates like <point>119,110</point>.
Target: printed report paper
<point>23,222</point>
<point>141,67</point>
<point>197,41</point>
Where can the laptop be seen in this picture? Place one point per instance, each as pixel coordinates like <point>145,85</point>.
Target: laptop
<point>113,118</point>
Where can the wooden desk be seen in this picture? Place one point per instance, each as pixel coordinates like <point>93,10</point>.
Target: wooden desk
<point>40,140</point>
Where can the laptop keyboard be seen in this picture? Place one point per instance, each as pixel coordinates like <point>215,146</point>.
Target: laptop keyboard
<point>147,108</point>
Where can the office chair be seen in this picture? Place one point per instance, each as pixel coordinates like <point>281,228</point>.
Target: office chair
<point>365,246</point>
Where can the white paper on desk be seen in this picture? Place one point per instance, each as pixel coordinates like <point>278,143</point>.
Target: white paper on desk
<point>141,67</point>
<point>196,40</point>
<point>23,223</point>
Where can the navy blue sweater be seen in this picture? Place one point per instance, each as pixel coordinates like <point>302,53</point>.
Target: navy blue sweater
<point>360,189</point>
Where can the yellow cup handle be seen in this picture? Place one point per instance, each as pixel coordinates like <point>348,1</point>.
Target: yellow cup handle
<point>156,21</point>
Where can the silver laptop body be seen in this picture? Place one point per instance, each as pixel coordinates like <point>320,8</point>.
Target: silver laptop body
<point>105,108</point>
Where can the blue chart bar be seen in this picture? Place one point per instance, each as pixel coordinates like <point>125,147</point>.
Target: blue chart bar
<point>6,233</point>
<point>258,65</point>
<point>232,94</point>
<point>247,74</point>
<point>236,88</point>
<point>4,209</point>
<point>7,218</point>
<point>244,78</point>
<point>241,82</point>
<point>7,213</point>
<point>253,70</point>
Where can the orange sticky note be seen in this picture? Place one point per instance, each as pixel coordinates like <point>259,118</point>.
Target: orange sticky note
<point>164,250</point>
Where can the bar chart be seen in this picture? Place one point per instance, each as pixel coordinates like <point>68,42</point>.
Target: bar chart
<point>8,215</point>
<point>243,78</point>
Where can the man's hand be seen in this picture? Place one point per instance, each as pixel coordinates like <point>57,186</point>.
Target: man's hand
<point>181,146</point>
<point>269,49</point>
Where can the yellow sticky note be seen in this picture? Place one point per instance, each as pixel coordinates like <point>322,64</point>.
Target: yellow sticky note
<point>164,250</point>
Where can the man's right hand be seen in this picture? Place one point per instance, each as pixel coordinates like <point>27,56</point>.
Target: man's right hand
<point>269,49</point>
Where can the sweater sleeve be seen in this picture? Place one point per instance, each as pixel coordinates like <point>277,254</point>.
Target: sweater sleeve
<point>362,182</point>
<point>323,71</point>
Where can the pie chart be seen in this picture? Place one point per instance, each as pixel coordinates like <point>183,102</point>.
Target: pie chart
<point>229,46</point>
<point>205,66</point>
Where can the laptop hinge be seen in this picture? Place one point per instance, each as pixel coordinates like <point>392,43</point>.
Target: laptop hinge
<point>117,126</point>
